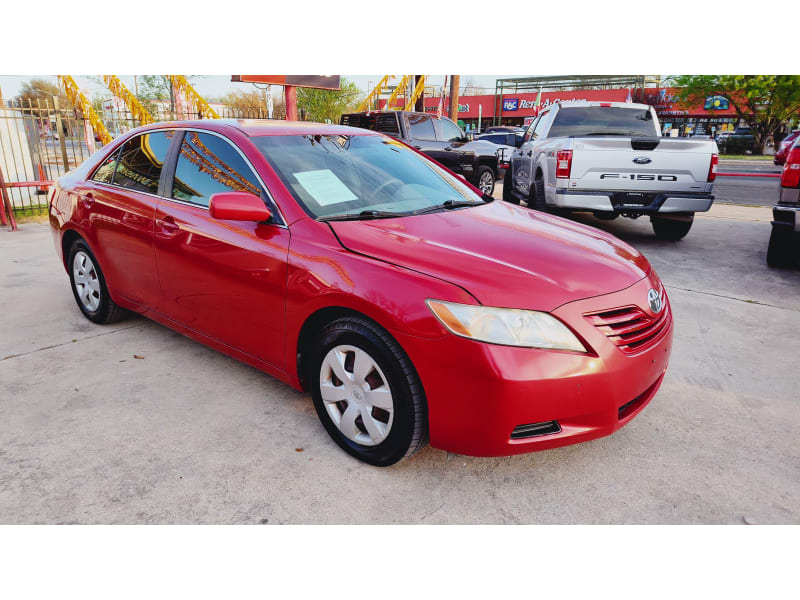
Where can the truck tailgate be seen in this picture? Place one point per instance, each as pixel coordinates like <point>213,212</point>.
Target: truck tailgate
<point>612,163</point>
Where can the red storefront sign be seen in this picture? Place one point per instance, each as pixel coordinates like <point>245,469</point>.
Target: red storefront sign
<point>664,100</point>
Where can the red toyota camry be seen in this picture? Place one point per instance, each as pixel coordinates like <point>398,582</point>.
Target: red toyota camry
<point>345,263</point>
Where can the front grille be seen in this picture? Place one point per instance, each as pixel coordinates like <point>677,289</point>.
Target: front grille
<point>630,328</point>
<point>535,430</point>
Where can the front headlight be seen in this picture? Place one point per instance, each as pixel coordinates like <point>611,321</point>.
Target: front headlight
<point>506,326</point>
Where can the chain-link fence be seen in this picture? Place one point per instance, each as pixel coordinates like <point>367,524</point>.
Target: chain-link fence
<point>42,140</point>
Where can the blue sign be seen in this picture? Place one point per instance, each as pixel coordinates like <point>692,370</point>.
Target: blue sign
<point>511,104</point>
<point>716,103</point>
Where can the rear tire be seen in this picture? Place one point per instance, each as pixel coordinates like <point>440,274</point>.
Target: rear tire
<point>89,286</point>
<point>508,188</point>
<point>671,229</point>
<point>401,420</point>
<point>536,200</point>
<point>781,248</point>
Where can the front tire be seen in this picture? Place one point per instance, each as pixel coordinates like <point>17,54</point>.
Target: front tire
<point>367,393</point>
<point>485,180</point>
<point>671,229</point>
<point>89,286</point>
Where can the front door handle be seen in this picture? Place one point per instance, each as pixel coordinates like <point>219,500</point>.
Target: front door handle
<point>87,200</point>
<point>448,148</point>
<point>418,147</point>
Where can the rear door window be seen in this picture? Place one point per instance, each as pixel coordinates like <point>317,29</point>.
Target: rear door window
<point>208,164</point>
<point>421,127</point>
<point>141,160</point>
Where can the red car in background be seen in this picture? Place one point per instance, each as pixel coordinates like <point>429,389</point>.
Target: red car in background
<point>784,147</point>
<point>347,264</point>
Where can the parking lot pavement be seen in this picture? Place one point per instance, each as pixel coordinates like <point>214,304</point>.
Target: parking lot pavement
<point>90,434</point>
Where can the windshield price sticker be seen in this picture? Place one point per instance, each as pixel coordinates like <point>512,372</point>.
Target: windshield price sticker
<point>325,187</point>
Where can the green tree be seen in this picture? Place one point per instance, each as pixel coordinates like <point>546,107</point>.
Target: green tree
<point>320,105</point>
<point>764,102</point>
<point>41,90</point>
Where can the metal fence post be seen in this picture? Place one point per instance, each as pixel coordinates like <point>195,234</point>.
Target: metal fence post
<point>61,134</point>
<point>7,202</point>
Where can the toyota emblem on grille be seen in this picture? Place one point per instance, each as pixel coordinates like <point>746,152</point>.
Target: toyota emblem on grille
<point>642,160</point>
<point>654,300</point>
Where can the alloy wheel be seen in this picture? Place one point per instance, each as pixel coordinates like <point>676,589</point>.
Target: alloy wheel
<point>356,395</point>
<point>486,183</point>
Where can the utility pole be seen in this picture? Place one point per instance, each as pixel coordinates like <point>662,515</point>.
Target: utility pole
<point>454,82</point>
<point>420,104</point>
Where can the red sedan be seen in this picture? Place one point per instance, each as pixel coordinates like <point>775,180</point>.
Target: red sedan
<point>345,263</point>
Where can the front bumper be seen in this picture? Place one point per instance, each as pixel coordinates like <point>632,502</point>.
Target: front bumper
<point>479,393</point>
<point>643,203</point>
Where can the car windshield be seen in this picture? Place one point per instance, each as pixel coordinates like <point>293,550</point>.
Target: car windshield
<point>603,120</point>
<point>334,175</point>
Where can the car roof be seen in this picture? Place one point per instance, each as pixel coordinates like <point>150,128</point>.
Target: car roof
<point>262,127</point>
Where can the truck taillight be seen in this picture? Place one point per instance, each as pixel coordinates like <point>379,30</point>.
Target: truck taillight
<point>712,169</point>
<point>563,164</point>
<point>791,170</point>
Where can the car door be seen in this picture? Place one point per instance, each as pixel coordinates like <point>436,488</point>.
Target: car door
<point>224,279</point>
<point>422,136</point>
<point>521,160</point>
<point>451,139</point>
<point>122,194</point>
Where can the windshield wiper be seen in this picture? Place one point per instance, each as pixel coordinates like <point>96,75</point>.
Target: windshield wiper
<point>363,216</point>
<point>447,205</point>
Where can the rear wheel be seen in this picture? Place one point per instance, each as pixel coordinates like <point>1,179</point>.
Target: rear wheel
<point>89,286</point>
<point>536,200</point>
<point>508,188</point>
<point>367,393</point>
<point>485,180</point>
<point>780,250</point>
<point>672,229</point>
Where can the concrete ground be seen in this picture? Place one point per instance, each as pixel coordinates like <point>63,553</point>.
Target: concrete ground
<point>90,434</point>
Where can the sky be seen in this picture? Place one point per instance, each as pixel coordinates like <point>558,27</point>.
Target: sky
<point>216,86</point>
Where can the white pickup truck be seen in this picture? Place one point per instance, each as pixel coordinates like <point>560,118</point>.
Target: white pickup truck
<point>608,158</point>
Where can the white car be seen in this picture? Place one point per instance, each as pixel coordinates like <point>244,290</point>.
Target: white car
<point>609,159</point>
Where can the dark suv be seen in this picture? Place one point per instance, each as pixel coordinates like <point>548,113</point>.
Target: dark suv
<point>441,139</point>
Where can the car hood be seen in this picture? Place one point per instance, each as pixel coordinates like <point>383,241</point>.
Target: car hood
<point>502,254</point>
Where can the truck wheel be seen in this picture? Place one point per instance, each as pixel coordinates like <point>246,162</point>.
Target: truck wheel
<point>485,180</point>
<point>508,188</point>
<point>536,199</point>
<point>779,251</point>
<point>671,229</point>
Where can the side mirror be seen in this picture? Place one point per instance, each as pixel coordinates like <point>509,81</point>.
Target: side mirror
<point>238,206</point>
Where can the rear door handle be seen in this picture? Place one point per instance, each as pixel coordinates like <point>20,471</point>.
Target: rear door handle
<point>168,225</point>
<point>87,200</point>
<point>448,148</point>
<point>418,147</point>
